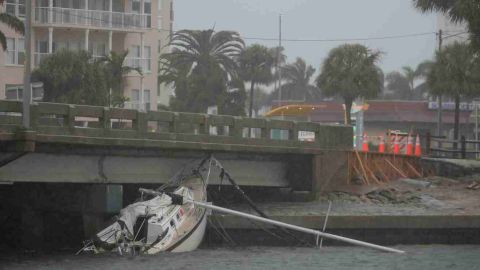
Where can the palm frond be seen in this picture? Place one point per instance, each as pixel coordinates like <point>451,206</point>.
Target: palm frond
<point>12,22</point>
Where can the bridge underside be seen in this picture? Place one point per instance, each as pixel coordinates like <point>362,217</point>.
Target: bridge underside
<point>81,164</point>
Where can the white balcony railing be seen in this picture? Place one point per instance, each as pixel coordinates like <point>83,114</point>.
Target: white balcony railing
<point>93,18</point>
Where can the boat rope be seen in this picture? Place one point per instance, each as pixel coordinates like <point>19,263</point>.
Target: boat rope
<point>225,174</point>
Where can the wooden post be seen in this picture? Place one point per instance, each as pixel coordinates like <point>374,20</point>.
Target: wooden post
<point>463,145</point>
<point>428,141</point>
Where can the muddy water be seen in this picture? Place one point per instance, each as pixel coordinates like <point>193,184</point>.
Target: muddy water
<point>417,257</point>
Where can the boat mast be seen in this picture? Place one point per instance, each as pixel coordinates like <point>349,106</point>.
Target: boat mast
<point>293,227</point>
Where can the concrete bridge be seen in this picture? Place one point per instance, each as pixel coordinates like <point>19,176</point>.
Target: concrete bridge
<point>88,144</point>
<point>79,164</point>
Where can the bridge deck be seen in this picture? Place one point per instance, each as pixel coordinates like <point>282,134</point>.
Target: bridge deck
<point>90,125</point>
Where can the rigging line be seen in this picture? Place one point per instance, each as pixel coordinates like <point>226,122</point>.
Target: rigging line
<point>343,39</point>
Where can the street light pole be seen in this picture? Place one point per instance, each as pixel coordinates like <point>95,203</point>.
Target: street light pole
<point>439,99</point>
<point>27,89</point>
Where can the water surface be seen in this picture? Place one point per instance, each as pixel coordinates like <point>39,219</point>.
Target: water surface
<point>417,257</point>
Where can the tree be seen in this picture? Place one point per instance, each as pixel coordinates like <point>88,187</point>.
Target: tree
<point>115,71</point>
<point>12,22</point>
<point>399,84</point>
<point>459,11</point>
<point>73,77</point>
<point>201,65</point>
<point>297,77</point>
<point>350,71</point>
<point>255,65</point>
<point>404,84</point>
<point>454,74</point>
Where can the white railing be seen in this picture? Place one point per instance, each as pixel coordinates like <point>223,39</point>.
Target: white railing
<point>94,18</point>
<point>38,58</point>
<point>144,64</point>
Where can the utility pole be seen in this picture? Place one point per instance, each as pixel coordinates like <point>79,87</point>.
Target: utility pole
<point>27,86</point>
<point>279,57</point>
<point>439,99</point>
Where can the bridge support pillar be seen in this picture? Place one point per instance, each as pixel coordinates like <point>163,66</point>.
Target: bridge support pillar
<point>329,170</point>
<point>102,201</point>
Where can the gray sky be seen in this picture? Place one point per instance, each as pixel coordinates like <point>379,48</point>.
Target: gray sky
<point>319,19</point>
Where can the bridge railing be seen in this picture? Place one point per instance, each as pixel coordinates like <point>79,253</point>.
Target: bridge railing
<point>56,119</point>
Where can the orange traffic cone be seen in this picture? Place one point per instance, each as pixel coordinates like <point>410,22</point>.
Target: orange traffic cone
<point>381,146</point>
<point>409,145</point>
<point>396,147</point>
<point>365,147</point>
<point>418,147</point>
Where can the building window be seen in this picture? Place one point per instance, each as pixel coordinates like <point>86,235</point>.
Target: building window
<point>136,6</point>
<point>14,92</point>
<point>15,8</point>
<point>147,58</point>
<point>15,53</point>
<point>146,99</point>
<point>135,99</point>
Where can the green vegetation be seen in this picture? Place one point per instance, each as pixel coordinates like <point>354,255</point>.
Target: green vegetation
<point>76,78</point>
<point>404,85</point>
<point>255,65</point>
<point>459,11</point>
<point>349,72</point>
<point>115,71</point>
<point>455,74</point>
<point>12,22</point>
<point>203,70</point>
<point>297,77</point>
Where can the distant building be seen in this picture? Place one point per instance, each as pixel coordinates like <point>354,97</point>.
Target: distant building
<point>99,26</point>
<point>381,116</point>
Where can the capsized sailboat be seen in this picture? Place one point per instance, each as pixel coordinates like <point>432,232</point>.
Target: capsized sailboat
<point>162,222</point>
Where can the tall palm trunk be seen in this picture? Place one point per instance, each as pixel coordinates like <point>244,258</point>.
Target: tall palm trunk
<point>457,119</point>
<point>252,85</point>
<point>348,111</point>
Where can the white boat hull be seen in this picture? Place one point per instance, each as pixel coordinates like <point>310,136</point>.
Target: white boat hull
<point>193,240</point>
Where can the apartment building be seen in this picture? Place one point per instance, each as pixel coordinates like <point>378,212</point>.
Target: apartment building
<point>99,26</point>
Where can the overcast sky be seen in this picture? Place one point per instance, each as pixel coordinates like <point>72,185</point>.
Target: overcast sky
<point>319,19</point>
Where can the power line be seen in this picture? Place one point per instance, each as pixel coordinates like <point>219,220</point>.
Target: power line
<point>267,38</point>
<point>343,39</point>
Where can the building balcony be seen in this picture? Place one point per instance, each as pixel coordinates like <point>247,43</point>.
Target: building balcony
<point>144,64</point>
<point>82,18</point>
<point>135,62</point>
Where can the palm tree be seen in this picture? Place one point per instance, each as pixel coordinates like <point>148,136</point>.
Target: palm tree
<point>350,71</point>
<point>455,74</point>
<point>116,69</point>
<point>255,63</point>
<point>404,83</point>
<point>200,56</point>
<point>204,50</point>
<point>297,76</point>
<point>458,11</point>
<point>12,22</point>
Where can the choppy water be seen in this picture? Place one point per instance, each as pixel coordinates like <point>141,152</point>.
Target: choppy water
<point>417,257</point>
